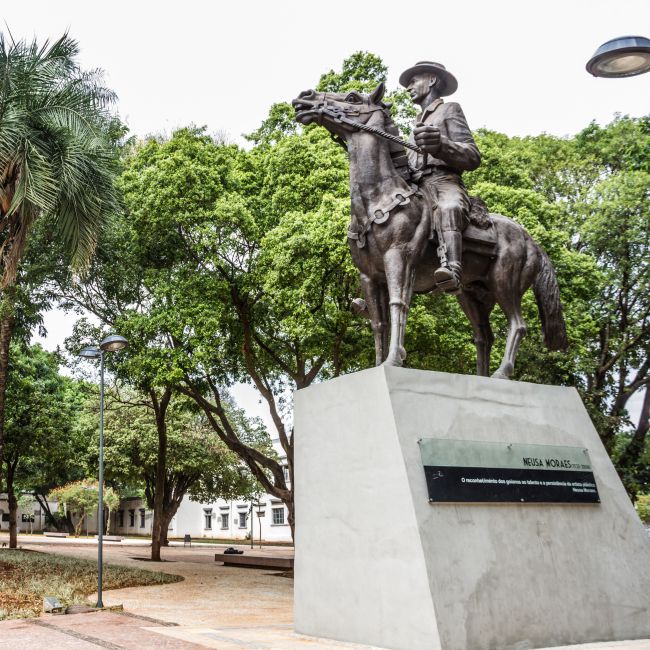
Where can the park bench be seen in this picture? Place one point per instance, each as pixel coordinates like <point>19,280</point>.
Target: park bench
<point>55,534</point>
<point>254,561</point>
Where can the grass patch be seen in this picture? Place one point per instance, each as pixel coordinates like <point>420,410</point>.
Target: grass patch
<point>26,577</point>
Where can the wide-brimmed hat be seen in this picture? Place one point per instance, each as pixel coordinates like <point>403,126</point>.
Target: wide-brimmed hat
<point>447,84</point>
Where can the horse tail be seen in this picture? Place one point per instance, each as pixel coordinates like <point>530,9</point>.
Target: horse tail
<point>547,295</point>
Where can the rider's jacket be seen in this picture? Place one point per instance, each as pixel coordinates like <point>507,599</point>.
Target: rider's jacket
<point>458,151</point>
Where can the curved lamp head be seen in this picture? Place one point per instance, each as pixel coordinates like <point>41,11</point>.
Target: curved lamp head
<point>113,343</point>
<point>90,352</point>
<point>625,56</point>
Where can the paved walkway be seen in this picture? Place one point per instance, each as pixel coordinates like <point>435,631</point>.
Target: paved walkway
<point>228,608</point>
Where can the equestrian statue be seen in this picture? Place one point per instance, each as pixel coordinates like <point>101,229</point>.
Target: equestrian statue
<point>414,228</point>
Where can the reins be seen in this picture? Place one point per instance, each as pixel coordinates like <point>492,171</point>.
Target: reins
<point>339,116</point>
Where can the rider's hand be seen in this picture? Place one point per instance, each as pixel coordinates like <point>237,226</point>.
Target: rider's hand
<point>427,138</point>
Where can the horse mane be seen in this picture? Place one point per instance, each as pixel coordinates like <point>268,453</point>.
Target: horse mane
<point>397,151</point>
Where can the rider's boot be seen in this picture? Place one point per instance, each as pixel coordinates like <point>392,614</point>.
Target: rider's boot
<point>447,277</point>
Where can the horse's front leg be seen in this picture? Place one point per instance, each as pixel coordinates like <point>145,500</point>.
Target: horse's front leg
<point>399,277</point>
<point>376,296</point>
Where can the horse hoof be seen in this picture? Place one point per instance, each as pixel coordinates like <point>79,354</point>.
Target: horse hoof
<point>393,360</point>
<point>500,375</point>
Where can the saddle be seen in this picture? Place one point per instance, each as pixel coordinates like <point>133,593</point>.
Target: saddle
<point>480,236</point>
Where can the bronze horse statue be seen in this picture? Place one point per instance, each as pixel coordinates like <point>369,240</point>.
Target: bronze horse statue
<point>389,238</point>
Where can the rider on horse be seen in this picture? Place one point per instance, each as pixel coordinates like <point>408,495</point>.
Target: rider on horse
<point>442,133</point>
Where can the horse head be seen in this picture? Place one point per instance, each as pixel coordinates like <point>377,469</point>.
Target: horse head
<point>337,112</point>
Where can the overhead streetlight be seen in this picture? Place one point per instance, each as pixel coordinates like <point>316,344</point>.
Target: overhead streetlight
<point>90,352</point>
<point>111,343</point>
<point>625,56</point>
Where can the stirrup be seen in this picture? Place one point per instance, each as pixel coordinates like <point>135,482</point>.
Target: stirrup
<point>443,274</point>
<point>450,282</point>
<point>451,286</point>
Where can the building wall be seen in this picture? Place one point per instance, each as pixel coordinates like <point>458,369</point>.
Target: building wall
<point>231,520</point>
<point>25,513</point>
<point>218,520</point>
<point>136,518</point>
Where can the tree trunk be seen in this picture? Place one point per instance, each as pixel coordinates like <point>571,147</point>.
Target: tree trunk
<point>80,524</point>
<point>164,528</point>
<point>50,519</point>
<point>632,455</point>
<point>291,517</point>
<point>13,506</point>
<point>68,523</point>
<point>160,408</point>
<point>6,329</point>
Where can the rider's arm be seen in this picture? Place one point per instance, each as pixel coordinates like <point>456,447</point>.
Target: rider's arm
<point>457,146</point>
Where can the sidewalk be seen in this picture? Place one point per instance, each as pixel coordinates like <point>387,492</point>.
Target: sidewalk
<point>25,539</point>
<point>228,608</point>
<point>36,539</point>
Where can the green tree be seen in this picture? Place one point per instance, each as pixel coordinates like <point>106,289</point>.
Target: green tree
<point>197,463</point>
<point>227,260</point>
<point>37,415</point>
<point>585,199</point>
<point>642,506</point>
<point>68,455</point>
<point>56,162</point>
<point>83,497</point>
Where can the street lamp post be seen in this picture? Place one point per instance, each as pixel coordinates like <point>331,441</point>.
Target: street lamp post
<point>111,343</point>
<point>625,56</point>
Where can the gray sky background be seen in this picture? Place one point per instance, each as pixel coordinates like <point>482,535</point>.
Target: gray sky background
<point>520,65</point>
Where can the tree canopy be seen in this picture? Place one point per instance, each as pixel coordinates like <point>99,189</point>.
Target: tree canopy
<point>57,162</point>
<point>227,265</point>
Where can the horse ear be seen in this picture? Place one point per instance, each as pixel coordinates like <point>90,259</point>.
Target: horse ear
<point>376,95</point>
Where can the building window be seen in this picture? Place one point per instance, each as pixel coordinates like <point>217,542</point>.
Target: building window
<point>142,517</point>
<point>242,519</point>
<point>120,518</point>
<point>285,471</point>
<point>224,520</point>
<point>207,516</point>
<point>131,518</point>
<point>278,516</point>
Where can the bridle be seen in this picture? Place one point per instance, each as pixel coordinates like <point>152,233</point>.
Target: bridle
<point>340,116</point>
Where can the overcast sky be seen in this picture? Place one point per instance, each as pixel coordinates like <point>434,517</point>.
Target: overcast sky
<point>520,65</point>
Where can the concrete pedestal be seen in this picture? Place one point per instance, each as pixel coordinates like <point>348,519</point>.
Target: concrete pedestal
<point>376,563</point>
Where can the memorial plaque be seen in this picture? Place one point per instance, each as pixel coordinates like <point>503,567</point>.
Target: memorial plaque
<point>471,471</point>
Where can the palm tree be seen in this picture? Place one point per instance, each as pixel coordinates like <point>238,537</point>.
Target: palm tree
<point>57,161</point>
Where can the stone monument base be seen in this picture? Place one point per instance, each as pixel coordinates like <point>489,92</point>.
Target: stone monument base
<point>376,563</point>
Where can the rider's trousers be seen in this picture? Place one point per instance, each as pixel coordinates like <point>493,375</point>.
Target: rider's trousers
<point>448,192</point>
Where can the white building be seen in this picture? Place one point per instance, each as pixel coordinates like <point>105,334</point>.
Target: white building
<point>228,520</point>
<point>30,518</point>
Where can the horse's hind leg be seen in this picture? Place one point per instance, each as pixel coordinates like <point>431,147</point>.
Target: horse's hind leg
<point>478,314</point>
<point>511,305</point>
<point>377,303</point>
